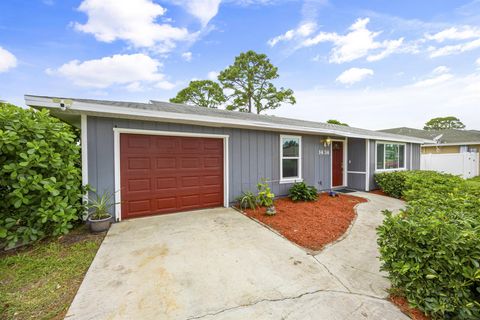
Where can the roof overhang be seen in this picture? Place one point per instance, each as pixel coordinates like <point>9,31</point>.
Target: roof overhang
<point>69,108</point>
<point>451,144</point>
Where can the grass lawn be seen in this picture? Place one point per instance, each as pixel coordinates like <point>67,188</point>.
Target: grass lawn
<point>39,282</point>
<point>475,182</point>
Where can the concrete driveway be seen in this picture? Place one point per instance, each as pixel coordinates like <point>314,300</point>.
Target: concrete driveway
<point>219,264</point>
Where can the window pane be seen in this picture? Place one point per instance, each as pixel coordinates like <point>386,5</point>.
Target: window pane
<point>289,168</point>
<point>290,147</point>
<point>401,155</point>
<point>380,149</point>
<point>391,156</point>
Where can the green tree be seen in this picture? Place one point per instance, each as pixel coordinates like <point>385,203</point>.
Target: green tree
<point>202,93</point>
<point>249,80</point>
<point>333,121</point>
<point>444,123</point>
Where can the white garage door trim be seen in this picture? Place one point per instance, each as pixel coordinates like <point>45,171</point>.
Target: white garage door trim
<point>116,149</point>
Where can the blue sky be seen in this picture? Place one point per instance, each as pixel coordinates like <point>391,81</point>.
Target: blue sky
<point>372,64</point>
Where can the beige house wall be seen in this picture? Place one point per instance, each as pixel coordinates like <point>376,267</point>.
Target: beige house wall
<point>442,149</point>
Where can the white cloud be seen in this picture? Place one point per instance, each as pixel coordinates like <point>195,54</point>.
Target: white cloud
<point>132,21</point>
<point>467,38</point>
<point>7,60</point>
<point>438,75</point>
<point>203,10</point>
<point>441,69</point>
<point>359,42</point>
<point>353,75</point>
<point>187,56</point>
<point>454,49</point>
<point>213,75</point>
<point>165,85</point>
<point>477,62</point>
<point>134,71</point>
<point>387,107</point>
<point>303,30</point>
<point>455,33</point>
<point>391,46</point>
<point>433,80</point>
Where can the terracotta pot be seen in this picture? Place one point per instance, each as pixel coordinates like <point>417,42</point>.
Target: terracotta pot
<point>100,225</point>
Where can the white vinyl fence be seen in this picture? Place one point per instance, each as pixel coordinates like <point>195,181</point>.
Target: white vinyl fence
<point>464,164</point>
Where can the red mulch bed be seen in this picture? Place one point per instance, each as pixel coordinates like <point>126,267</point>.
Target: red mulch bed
<point>311,224</point>
<point>402,304</point>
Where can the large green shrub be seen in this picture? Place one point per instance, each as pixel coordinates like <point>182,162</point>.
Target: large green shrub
<point>392,183</point>
<point>431,250</point>
<point>301,192</point>
<point>40,175</point>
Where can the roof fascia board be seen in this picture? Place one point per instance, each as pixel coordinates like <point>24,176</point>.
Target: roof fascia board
<point>451,144</point>
<point>92,109</point>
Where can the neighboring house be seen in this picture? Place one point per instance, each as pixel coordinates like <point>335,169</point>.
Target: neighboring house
<point>161,157</point>
<point>453,151</point>
<point>447,141</point>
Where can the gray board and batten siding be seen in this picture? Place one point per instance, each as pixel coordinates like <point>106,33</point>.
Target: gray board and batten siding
<point>253,155</point>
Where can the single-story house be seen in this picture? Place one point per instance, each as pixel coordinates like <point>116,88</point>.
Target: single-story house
<point>446,141</point>
<point>161,157</point>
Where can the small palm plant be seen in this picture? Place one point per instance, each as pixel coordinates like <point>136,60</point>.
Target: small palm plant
<point>99,217</point>
<point>99,205</point>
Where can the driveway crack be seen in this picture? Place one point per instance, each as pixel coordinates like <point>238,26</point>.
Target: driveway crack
<point>283,299</point>
<point>333,275</point>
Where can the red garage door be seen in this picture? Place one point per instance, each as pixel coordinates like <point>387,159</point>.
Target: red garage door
<point>163,174</point>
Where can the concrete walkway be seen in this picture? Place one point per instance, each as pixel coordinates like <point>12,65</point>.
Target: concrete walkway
<point>353,260</point>
<point>219,264</point>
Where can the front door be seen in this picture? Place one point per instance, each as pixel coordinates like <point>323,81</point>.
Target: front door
<point>337,163</point>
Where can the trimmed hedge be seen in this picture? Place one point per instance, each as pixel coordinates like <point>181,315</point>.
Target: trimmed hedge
<point>392,183</point>
<point>40,176</point>
<point>431,250</point>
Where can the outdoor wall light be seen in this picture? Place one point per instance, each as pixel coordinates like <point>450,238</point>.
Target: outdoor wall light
<point>327,142</point>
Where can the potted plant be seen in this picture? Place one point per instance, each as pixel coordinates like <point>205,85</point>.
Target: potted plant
<point>99,218</point>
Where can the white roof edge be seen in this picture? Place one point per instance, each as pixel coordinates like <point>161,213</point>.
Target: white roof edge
<point>451,144</point>
<point>78,106</point>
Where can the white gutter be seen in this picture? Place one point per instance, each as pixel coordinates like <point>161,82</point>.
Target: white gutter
<point>93,108</point>
<point>451,144</point>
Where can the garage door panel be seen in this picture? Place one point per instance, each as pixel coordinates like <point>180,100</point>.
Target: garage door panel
<point>165,163</point>
<point>139,185</point>
<point>210,198</point>
<point>212,180</point>
<point>166,204</point>
<point>192,200</point>
<point>213,162</point>
<point>165,183</point>
<point>190,163</point>
<point>139,207</point>
<point>191,146</point>
<point>139,142</point>
<point>165,145</point>
<point>162,174</point>
<point>186,182</point>
<point>213,145</point>
<point>138,163</point>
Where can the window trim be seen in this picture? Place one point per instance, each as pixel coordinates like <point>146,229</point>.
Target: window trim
<point>384,154</point>
<point>299,158</point>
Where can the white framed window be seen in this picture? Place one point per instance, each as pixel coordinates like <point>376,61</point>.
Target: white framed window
<point>390,156</point>
<point>290,158</point>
